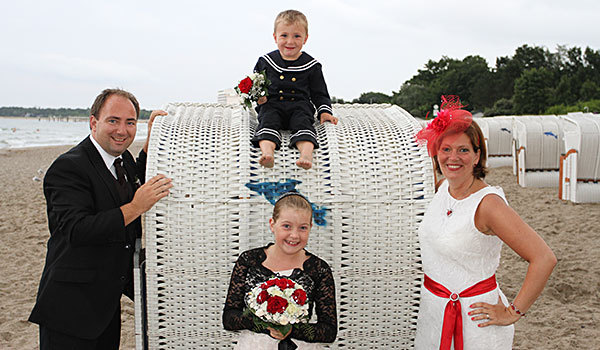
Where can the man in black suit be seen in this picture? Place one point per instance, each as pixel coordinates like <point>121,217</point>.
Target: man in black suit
<point>94,203</point>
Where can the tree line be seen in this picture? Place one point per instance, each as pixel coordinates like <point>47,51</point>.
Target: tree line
<point>532,81</point>
<point>36,112</point>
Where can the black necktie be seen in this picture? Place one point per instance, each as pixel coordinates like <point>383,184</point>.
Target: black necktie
<point>120,171</point>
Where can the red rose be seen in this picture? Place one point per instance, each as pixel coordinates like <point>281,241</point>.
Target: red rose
<point>245,85</point>
<point>276,305</point>
<point>262,297</point>
<point>268,284</point>
<point>284,283</point>
<point>299,296</point>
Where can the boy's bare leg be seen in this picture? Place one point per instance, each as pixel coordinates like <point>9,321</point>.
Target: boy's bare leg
<point>306,157</point>
<point>267,149</point>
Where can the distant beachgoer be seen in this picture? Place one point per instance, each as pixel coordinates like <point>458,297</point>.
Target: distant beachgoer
<point>297,86</point>
<point>94,202</point>
<point>291,224</point>
<point>461,238</point>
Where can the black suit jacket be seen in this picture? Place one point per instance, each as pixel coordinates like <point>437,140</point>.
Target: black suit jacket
<point>89,262</point>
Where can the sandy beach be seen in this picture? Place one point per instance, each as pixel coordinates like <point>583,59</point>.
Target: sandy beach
<point>566,316</point>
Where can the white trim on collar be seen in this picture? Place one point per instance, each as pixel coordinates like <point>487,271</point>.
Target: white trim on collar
<point>289,69</point>
<point>108,159</point>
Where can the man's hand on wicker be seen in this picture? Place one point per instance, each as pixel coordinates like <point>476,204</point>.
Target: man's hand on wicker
<point>494,314</point>
<point>151,192</point>
<point>326,117</point>
<point>153,115</point>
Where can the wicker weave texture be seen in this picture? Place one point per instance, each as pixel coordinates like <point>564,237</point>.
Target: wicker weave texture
<point>370,184</point>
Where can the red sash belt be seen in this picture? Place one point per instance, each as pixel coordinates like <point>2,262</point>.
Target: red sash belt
<point>452,325</point>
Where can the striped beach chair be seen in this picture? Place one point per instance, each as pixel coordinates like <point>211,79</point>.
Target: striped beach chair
<point>498,138</point>
<point>580,164</point>
<point>370,185</point>
<point>537,146</point>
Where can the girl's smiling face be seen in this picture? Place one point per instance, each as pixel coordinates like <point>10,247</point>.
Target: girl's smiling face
<point>291,229</point>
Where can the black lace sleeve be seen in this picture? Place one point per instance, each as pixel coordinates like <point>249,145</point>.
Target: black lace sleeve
<point>233,318</point>
<point>325,330</point>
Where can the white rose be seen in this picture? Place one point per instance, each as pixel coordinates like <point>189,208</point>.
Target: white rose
<point>275,291</point>
<point>283,320</point>
<point>293,309</point>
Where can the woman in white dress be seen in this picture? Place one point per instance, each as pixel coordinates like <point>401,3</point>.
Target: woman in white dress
<point>461,237</point>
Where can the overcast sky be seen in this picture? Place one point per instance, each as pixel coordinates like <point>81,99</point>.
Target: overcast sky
<point>62,53</point>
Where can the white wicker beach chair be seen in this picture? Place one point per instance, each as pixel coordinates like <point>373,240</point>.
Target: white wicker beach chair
<point>580,164</point>
<point>498,137</point>
<point>537,146</point>
<point>370,184</point>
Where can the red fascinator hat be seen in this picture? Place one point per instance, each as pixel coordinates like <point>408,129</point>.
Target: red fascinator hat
<point>450,119</point>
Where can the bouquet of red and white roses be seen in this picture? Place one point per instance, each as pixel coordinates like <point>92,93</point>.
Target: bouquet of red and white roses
<point>278,303</point>
<point>253,87</point>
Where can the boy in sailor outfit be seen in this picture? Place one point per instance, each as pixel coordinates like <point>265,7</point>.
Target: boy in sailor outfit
<point>297,90</point>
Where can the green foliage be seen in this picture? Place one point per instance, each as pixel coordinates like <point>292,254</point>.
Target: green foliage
<point>503,106</point>
<point>36,112</point>
<point>533,91</point>
<point>373,97</point>
<point>592,106</point>
<point>526,83</point>
<point>589,90</point>
<point>337,100</point>
<point>415,99</point>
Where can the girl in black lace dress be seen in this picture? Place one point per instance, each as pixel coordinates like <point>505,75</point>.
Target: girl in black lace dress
<point>290,224</point>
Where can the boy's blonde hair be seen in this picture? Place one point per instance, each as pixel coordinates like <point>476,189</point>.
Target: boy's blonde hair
<point>291,17</point>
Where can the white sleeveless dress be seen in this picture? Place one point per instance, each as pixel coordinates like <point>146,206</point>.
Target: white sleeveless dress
<point>457,255</point>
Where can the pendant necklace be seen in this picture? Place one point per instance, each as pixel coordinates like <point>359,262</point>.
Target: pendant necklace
<point>452,201</point>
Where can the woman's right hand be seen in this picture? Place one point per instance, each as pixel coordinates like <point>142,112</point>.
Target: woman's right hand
<point>262,100</point>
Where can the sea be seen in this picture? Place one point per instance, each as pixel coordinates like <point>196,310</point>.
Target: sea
<point>41,132</point>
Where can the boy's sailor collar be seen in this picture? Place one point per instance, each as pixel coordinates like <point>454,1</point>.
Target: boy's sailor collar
<point>274,60</point>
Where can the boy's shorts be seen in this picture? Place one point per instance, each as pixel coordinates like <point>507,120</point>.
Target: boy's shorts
<point>296,116</point>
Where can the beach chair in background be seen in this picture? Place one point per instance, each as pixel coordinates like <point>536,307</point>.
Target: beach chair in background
<point>580,164</point>
<point>498,139</point>
<point>423,122</point>
<point>370,186</point>
<point>537,146</point>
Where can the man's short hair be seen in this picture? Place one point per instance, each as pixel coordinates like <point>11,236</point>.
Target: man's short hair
<point>291,17</point>
<point>100,99</point>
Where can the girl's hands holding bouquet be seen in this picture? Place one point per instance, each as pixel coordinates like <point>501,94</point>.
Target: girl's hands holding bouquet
<point>276,305</point>
<point>277,334</point>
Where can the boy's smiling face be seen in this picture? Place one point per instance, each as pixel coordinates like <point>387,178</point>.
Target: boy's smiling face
<point>290,37</point>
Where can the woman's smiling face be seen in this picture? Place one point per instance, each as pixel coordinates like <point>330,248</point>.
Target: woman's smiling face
<point>457,157</point>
